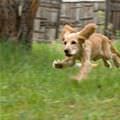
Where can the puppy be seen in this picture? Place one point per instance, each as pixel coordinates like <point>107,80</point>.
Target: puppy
<point>85,46</point>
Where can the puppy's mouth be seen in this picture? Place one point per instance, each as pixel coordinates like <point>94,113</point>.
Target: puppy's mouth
<point>68,55</point>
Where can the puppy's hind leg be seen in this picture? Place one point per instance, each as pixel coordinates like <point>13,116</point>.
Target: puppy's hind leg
<point>115,56</point>
<point>107,63</point>
<point>116,60</point>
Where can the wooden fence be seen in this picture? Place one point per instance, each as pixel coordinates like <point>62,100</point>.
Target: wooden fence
<point>46,25</point>
<point>53,14</point>
<point>112,22</point>
<point>80,13</point>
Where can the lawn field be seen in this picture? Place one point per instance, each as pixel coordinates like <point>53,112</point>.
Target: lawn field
<point>30,89</point>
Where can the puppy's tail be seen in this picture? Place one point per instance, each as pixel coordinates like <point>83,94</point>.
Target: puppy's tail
<point>115,51</point>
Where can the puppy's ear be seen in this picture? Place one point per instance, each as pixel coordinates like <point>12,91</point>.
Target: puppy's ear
<point>67,29</point>
<point>81,39</point>
<point>88,30</point>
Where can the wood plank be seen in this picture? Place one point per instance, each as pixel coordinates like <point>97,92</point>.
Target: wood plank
<point>49,5</point>
<point>41,18</point>
<point>35,31</point>
<point>97,10</point>
<point>115,7</point>
<point>78,2</point>
<point>58,19</point>
<point>86,18</point>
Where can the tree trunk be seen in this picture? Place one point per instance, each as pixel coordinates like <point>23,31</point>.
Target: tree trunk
<point>29,9</point>
<point>16,23</point>
<point>8,18</point>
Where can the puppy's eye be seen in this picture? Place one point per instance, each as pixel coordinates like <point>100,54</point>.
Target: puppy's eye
<point>65,43</point>
<point>73,42</point>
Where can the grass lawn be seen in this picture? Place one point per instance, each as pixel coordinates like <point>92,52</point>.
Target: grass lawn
<point>30,89</point>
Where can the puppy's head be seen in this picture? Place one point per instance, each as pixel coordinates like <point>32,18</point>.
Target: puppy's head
<point>73,40</point>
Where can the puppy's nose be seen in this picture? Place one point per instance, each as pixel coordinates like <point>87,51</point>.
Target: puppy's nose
<point>66,51</point>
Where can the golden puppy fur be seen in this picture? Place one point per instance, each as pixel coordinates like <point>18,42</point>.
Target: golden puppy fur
<point>85,46</point>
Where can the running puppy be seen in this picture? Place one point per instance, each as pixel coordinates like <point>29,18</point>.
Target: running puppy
<point>85,46</point>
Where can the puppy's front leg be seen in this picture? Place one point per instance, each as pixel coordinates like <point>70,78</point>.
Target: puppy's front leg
<point>86,64</point>
<point>85,69</point>
<point>67,62</point>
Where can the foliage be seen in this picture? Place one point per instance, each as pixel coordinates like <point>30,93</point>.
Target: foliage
<point>30,89</point>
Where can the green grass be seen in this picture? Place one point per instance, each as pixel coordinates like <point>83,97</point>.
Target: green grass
<point>30,89</point>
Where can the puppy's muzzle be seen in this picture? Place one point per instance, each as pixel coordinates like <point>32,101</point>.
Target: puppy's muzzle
<point>67,53</point>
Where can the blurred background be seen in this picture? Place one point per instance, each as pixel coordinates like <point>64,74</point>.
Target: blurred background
<point>42,20</point>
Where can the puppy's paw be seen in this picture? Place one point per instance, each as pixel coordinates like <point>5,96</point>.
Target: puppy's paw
<point>94,65</point>
<point>78,78</point>
<point>57,64</point>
